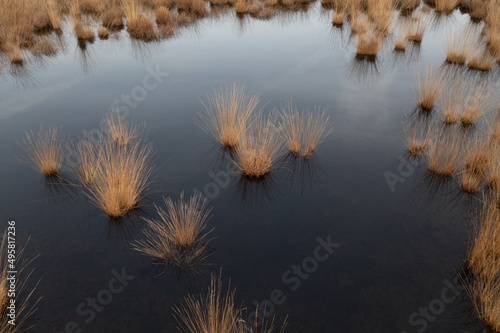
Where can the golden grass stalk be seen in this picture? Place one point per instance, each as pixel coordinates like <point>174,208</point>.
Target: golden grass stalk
<point>132,11</point>
<point>23,309</point>
<point>178,236</point>
<point>317,127</point>
<point>428,88</point>
<point>45,151</point>
<point>444,152</point>
<point>258,149</point>
<point>119,178</point>
<point>227,114</point>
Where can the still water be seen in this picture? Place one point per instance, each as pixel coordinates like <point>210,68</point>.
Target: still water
<point>397,249</point>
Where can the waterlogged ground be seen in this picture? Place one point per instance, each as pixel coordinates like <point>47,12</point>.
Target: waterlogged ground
<point>356,240</point>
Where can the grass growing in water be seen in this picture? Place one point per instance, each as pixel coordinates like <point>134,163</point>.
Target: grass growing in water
<point>259,148</point>
<point>227,115</point>
<point>45,151</point>
<point>428,89</point>
<point>179,235</point>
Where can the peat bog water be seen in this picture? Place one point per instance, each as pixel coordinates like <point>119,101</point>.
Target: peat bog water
<point>398,244</point>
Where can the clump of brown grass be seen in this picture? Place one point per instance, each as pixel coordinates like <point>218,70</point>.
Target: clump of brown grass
<point>163,16</point>
<point>428,88</point>
<point>82,31</point>
<point>477,163</point>
<point>457,49</point>
<point>359,24</point>
<point>444,152</point>
<point>43,46</point>
<point>481,61</point>
<point>417,137</point>
<point>121,132</point>
<point>54,15</point>
<point>292,127</point>
<point>478,9</point>
<point>227,114</point>
<point>401,43</point>
<point>476,103</point>
<point>452,101</point>
<point>92,6</point>
<point>142,29</point>
<point>119,177</point>
<point>15,55</point>
<point>446,6</point>
<point>103,33</point>
<point>216,312</point>
<point>317,127</point>
<point>113,18</point>
<point>179,235</point>
<point>338,18</point>
<point>258,149</point>
<point>484,293</point>
<point>195,7</point>
<point>493,178</point>
<point>45,151</point>
<point>241,7</point>
<point>416,29</point>
<point>368,45</point>
<point>132,11</point>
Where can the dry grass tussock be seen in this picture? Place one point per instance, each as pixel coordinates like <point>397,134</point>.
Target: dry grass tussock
<point>476,103</point>
<point>446,6</point>
<point>227,114</point>
<point>452,100</point>
<point>428,88</point>
<point>121,132</point>
<point>259,148</point>
<point>458,49</point>
<point>163,16</point>
<point>103,33</point>
<point>417,137</point>
<point>483,260</point>
<point>179,235</point>
<point>416,29</point>
<point>115,177</point>
<point>481,60</point>
<point>368,44</point>
<point>45,151</point>
<point>25,306</point>
<point>216,312</point>
<point>477,164</point>
<point>113,18</point>
<point>303,131</point>
<point>444,152</point>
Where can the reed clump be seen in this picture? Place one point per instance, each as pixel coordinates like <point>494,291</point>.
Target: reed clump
<point>258,149</point>
<point>481,61</point>
<point>142,29</point>
<point>103,33</point>
<point>112,18</point>
<point>417,137</point>
<point>428,88</point>
<point>119,177</point>
<point>227,115</point>
<point>446,6</point>
<point>121,132</point>
<point>179,235</point>
<point>457,49</point>
<point>444,152</point>
<point>45,151</point>
<point>368,45</point>
<point>163,16</point>
<point>476,103</point>
<point>216,312</point>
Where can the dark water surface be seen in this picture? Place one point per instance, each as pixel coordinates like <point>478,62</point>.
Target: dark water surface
<point>397,248</point>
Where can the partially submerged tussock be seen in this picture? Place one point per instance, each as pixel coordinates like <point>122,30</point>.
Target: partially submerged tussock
<point>217,312</point>
<point>259,148</point>
<point>179,235</point>
<point>428,88</point>
<point>118,175</point>
<point>444,152</point>
<point>227,114</point>
<point>45,151</point>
